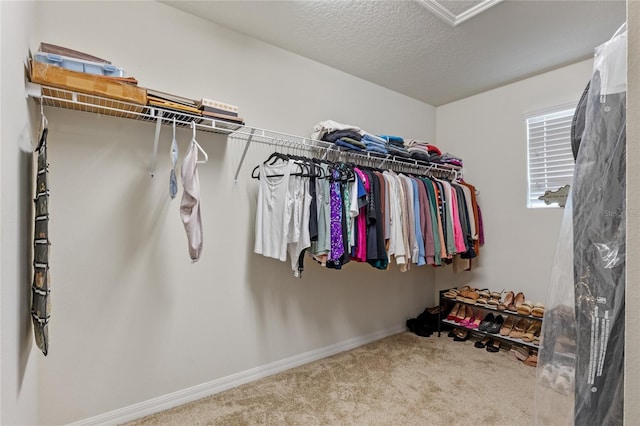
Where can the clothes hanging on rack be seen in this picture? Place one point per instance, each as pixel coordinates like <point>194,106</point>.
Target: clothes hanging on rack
<point>363,215</point>
<point>190,203</point>
<point>41,287</point>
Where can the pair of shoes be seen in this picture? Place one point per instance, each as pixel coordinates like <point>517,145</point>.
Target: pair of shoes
<point>493,345</point>
<point>532,360</point>
<point>494,299</point>
<point>451,293</point>
<point>508,300</point>
<point>463,292</point>
<point>483,300</point>
<point>480,344</point>
<point>463,315</point>
<point>507,326</point>
<point>491,324</point>
<point>532,332</point>
<point>525,308</point>
<point>522,353</point>
<point>519,329</point>
<point>517,301</point>
<point>538,310</point>
<point>454,312</point>
<point>461,334</point>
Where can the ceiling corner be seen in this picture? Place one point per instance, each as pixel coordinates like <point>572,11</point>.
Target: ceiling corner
<point>438,8</point>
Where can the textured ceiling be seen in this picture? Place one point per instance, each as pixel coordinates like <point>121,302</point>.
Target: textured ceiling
<point>403,46</point>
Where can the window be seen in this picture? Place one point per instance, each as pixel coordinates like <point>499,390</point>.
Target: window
<point>550,159</point>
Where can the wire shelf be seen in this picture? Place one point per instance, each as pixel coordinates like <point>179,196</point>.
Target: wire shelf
<point>66,99</point>
<point>328,150</point>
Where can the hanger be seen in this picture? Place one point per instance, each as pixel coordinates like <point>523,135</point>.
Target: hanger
<point>193,141</point>
<point>45,123</point>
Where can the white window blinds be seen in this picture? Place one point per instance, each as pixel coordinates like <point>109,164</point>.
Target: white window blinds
<point>550,159</point>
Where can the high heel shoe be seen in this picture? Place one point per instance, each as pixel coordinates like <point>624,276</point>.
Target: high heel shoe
<point>508,300</point>
<point>454,311</point>
<point>460,315</point>
<point>468,314</point>
<point>517,301</point>
<point>475,322</point>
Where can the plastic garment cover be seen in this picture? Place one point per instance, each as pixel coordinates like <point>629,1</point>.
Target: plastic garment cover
<point>582,354</point>
<point>554,396</point>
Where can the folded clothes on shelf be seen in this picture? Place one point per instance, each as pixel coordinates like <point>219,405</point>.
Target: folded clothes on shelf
<point>420,155</point>
<point>395,140</point>
<point>448,159</point>
<point>328,126</point>
<point>377,149</point>
<point>355,142</point>
<point>339,134</point>
<point>343,144</point>
<point>431,149</point>
<point>397,150</point>
<point>373,138</point>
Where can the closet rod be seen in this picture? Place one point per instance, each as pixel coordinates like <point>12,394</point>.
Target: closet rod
<point>323,149</point>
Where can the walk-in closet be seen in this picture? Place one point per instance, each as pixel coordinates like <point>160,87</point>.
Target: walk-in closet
<point>319,212</point>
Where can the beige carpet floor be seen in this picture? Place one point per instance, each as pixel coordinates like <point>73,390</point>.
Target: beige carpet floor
<point>399,380</point>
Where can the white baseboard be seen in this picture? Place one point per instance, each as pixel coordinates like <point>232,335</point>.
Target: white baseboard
<point>183,396</point>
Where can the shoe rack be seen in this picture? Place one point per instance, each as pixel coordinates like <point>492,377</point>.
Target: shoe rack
<point>485,309</point>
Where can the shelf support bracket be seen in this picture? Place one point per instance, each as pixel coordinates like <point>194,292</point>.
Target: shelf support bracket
<point>244,154</point>
<point>154,158</point>
<point>33,90</point>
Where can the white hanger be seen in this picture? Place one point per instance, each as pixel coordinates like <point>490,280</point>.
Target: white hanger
<point>193,141</point>
<point>45,122</point>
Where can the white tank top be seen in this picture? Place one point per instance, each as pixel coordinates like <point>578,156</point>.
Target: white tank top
<point>273,212</point>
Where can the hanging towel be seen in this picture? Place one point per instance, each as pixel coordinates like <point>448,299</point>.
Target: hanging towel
<point>173,181</point>
<point>41,287</point>
<point>190,204</point>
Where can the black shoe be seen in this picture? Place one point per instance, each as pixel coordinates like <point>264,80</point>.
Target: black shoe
<point>424,332</point>
<point>493,345</point>
<point>451,334</point>
<point>495,327</point>
<point>482,343</point>
<point>486,322</point>
<point>411,325</point>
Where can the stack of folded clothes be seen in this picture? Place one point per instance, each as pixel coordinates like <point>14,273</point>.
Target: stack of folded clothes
<point>374,143</point>
<point>448,159</point>
<point>328,126</point>
<point>347,139</point>
<point>422,150</point>
<point>395,146</point>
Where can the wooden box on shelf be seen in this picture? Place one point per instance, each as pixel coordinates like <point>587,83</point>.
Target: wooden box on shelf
<point>86,83</point>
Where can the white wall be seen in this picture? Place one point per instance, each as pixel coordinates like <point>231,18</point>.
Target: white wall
<point>489,131</point>
<point>132,318</point>
<point>18,403</point>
